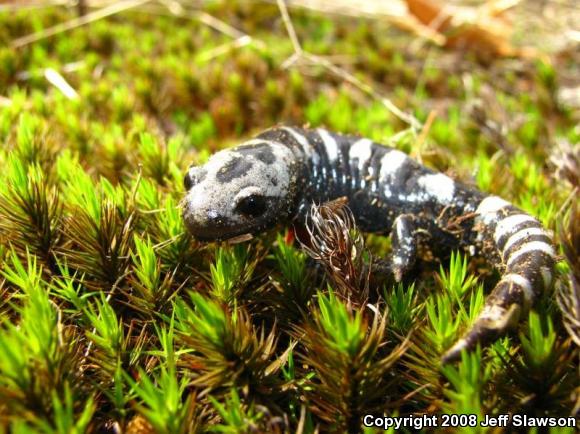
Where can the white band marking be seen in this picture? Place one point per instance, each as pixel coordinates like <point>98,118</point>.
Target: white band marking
<point>523,283</point>
<point>361,150</point>
<point>329,143</point>
<point>438,186</point>
<point>532,246</point>
<point>391,162</point>
<point>508,224</point>
<point>306,145</point>
<point>491,204</point>
<point>489,207</point>
<point>521,235</point>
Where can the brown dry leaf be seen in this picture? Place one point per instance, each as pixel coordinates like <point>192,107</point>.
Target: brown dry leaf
<point>483,30</point>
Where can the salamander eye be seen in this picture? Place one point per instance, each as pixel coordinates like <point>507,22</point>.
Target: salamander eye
<point>252,206</point>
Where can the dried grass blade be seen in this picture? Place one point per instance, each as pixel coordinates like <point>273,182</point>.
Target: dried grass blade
<point>77,22</point>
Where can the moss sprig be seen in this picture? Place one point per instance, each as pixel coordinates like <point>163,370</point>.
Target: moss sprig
<point>540,375</point>
<point>150,288</point>
<point>352,375</point>
<point>163,400</point>
<point>295,286</point>
<point>41,380</point>
<point>229,351</point>
<point>99,245</point>
<point>30,210</point>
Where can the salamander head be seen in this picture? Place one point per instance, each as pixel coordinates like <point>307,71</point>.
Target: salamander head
<point>240,191</point>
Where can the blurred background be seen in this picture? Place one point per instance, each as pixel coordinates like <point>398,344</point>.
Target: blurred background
<point>471,77</point>
<point>236,61</point>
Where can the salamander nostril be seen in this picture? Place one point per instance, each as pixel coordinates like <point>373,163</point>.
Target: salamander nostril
<point>187,182</point>
<point>214,218</point>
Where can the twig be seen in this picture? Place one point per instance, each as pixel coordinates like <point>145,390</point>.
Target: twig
<point>394,12</point>
<point>167,242</point>
<point>365,87</point>
<point>241,39</point>
<point>58,81</point>
<point>30,5</point>
<point>302,420</point>
<point>289,27</point>
<point>175,9</point>
<point>151,211</point>
<point>425,132</point>
<point>219,25</point>
<point>300,54</point>
<point>220,50</point>
<point>572,196</point>
<point>115,8</point>
<point>69,67</point>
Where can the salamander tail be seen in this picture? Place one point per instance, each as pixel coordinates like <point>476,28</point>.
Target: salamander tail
<point>527,258</point>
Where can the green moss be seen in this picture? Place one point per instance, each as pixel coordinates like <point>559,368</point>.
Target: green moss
<point>112,314</point>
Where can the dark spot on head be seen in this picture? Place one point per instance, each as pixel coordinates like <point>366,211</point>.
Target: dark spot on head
<point>233,169</point>
<point>262,152</point>
<point>274,181</point>
<point>265,156</point>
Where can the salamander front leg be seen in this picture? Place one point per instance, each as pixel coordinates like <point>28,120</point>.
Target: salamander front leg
<point>415,236</point>
<point>404,245</point>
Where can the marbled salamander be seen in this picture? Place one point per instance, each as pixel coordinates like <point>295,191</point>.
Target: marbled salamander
<point>278,175</point>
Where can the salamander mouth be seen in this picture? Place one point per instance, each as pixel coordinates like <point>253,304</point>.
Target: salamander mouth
<point>221,232</point>
<point>232,238</point>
